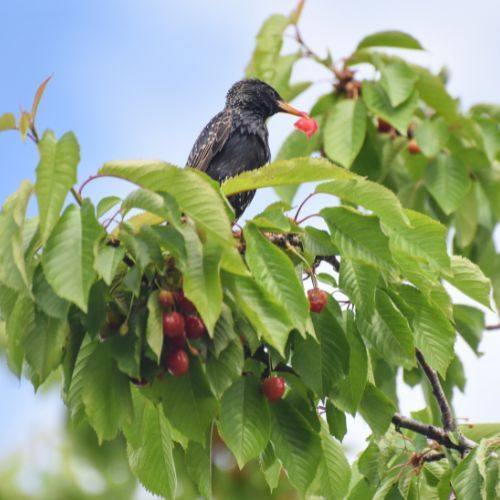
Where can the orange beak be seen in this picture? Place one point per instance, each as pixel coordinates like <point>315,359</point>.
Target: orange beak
<point>284,106</point>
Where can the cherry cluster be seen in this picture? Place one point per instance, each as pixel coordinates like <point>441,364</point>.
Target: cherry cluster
<point>180,322</point>
<point>386,128</point>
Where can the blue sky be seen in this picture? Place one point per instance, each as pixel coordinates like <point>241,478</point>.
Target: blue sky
<point>139,79</point>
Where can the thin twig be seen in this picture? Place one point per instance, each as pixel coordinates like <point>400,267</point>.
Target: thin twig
<point>304,201</point>
<point>307,217</point>
<point>492,327</point>
<point>449,424</point>
<point>90,179</point>
<point>76,196</point>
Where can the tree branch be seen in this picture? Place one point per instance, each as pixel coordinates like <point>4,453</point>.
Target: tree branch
<point>449,424</point>
<point>492,327</point>
<point>432,432</point>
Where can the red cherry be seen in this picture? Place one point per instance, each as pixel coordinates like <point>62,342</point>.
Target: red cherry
<point>273,388</point>
<point>177,363</point>
<point>176,343</point>
<point>166,299</point>
<point>317,299</point>
<point>307,125</point>
<point>173,324</point>
<point>413,147</point>
<point>383,126</point>
<point>195,327</point>
<point>184,303</point>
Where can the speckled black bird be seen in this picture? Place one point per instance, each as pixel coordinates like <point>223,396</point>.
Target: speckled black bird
<point>236,139</point>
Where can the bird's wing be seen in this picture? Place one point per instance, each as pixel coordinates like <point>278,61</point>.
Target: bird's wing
<point>210,141</point>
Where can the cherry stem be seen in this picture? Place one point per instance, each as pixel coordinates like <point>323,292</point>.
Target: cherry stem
<point>107,223</point>
<point>492,327</point>
<point>90,179</point>
<point>304,201</point>
<point>307,217</point>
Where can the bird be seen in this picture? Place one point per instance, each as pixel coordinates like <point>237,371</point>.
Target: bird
<point>236,139</point>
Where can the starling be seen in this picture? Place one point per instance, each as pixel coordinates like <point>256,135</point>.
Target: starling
<point>235,140</point>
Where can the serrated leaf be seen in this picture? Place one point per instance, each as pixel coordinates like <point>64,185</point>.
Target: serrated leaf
<point>466,479</point>
<point>199,467</point>
<point>296,445</point>
<point>284,173</point>
<point>344,131</point>
<point>107,260</point>
<point>275,273</point>
<point>50,303</point>
<point>270,467</point>
<point>398,80</point>
<point>397,39</point>
<point>469,323</point>
<point>201,278</point>
<point>321,362</point>
<point>105,204</point>
<point>55,175</point>
<point>188,401</point>
<point>224,369</point>
<point>379,103</point>
<point>371,195</point>
<point>44,345</point>
<point>358,280</point>
<point>336,421</point>
<point>105,393</point>
<point>149,448</point>
<point>195,193</point>
<point>68,259</point>
<point>7,122</point>
<point>388,331</point>
<point>334,470</point>
<point>154,328</point>
<point>469,279</point>
<point>434,334</point>
<point>268,317</point>
<point>432,136</point>
<point>244,419</point>
<point>376,409</point>
<point>447,179</point>
<point>358,236</point>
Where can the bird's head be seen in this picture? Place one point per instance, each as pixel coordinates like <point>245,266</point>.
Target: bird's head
<point>258,97</point>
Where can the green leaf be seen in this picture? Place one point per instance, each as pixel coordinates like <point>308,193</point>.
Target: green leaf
<point>195,193</point>
<point>37,98</point>
<point>434,334</point>
<point>244,424</point>
<point>476,432</point>
<point>358,236</point>
<point>24,124</point>
<point>271,467</point>
<point>267,316</point>
<point>296,445</point>
<point>107,260</point>
<point>201,279</point>
<point>469,279</point>
<point>105,393</point>
<point>13,268</point>
<point>269,41</point>
<point>432,136</point>
<point>334,470</point>
<point>466,479</point>
<point>397,39</point>
<point>469,323</point>
<point>358,281</point>
<point>371,195</point>
<point>199,467</point>
<point>44,345</point>
<point>7,122</point>
<point>275,273</point>
<point>336,421</point>
<point>379,103</point>
<point>447,179</point>
<point>68,259</point>
<point>388,331</point>
<point>154,329</point>
<point>224,369</point>
<point>398,80</point>
<point>284,173</point>
<point>376,409</point>
<point>345,131</point>
<point>106,204</point>
<point>149,448</point>
<point>55,175</point>
<point>467,215</point>
<point>46,299</point>
<point>348,392</point>
<point>424,240</point>
<point>323,361</point>
<point>188,401</point>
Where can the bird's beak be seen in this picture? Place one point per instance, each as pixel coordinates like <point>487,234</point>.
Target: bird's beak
<point>284,106</point>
